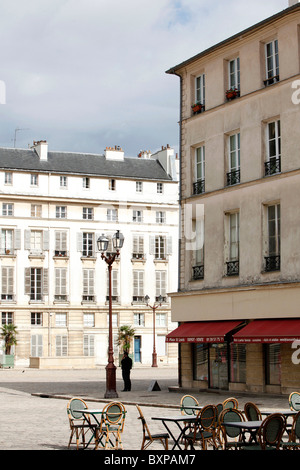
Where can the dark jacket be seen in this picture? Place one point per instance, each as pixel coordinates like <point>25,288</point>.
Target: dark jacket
<point>126,363</point>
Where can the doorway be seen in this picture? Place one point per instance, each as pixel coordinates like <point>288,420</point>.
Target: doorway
<point>218,365</point>
<point>137,348</point>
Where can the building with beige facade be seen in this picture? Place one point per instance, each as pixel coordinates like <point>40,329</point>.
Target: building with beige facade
<point>54,284</point>
<point>238,301</point>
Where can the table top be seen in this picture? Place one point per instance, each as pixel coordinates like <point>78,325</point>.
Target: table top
<point>89,411</point>
<point>243,424</point>
<point>175,418</point>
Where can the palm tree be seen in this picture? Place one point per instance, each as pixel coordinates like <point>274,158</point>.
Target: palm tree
<point>9,333</point>
<point>125,334</point>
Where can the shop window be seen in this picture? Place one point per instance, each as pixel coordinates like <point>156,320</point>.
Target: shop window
<point>237,363</point>
<point>200,361</point>
<point>273,364</point>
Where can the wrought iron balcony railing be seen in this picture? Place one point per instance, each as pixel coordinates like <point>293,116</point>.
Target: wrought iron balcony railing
<point>198,272</point>
<point>272,263</point>
<point>233,177</point>
<point>273,166</point>
<point>233,268</point>
<point>199,187</point>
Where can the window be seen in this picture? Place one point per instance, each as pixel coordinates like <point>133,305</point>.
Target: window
<point>272,62</point>
<point>159,188</point>
<point>139,319</point>
<point>199,185</point>
<point>114,286</point>
<point>89,320</point>
<point>273,163</point>
<point>138,247</point>
<point>61,212</point>
<point>7,241</point>
<point>7,283</point>
<point>86,182</point>
<point>60,284</point>
<point>160,217</point>
<point>198,253</point>
<point>138,286</point>
<point>273,364</point>
<point>233,175</point>
<point>234,74</point>
<point>60,243</point>
<point>7,318</point>
<point>8,178</point>
<point>61,345</point>
<point>7,209</point>
<point>160,319</point>
<point>112,185</point>
<point>272,261</point>
<point>36,210</point>
<point>139,186</point>
<point>63,182</point>
<point>87,244</point>
<point>200,89</point>
<point>34,180</point>
<point>200,361</point>
<point>36,241</point>
<point>88,213</point>
<point>237,363</point>
<point>115,320</point>
<point>61,319</point>
<point>137,216</point>
<point>233,255</point>
<point>160,246</point>
<point>161,285</point>
<point>88,345</point>
<point>36,283</point>
<point>88,294</point>
<point>36,345</point>
<point>36,318</point>
<point>112,215</point>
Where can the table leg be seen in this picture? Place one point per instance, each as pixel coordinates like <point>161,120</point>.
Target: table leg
<point>176,441</point>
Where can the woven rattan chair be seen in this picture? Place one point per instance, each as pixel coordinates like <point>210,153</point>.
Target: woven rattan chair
<point>149,438</point>
<point>230,437</point>
<point>252,412</point>
<point>79,425</point>
<point>186,402</point>
<point>112,425</point>
<point>230,403</point>
<point>294,401</point>
<point>271,431</point>
<point>294,435</point>
<point>204,430</point>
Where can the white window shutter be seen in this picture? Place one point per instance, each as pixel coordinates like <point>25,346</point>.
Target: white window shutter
<point>152,245</point>
<point>27,239</point>
<point>46,240</point>
<point>17,241</point>
<point>79,241</point>
<point>45,281</point>
<point>169,245</point>
<point>27,281</point>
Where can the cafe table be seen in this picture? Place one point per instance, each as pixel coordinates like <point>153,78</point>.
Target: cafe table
<point>180,421</point>
<point>245,426</point>
<point>95,413</point>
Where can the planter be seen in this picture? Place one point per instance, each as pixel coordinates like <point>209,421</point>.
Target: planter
<point>7,360</point>
<point>197,108</point>
<point>231,94</point>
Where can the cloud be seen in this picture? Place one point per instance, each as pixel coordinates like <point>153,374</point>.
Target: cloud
<point>89,74</point>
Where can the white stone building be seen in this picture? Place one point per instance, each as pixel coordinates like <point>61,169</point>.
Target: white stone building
<point>54,284</point>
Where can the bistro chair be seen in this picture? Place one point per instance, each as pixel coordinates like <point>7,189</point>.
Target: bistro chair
<point>252,412</point>
<point>231,437</point>
<point>79,424</point>
<point>204,429</point>
<point>294,435</point>
<point>149,438</point>
<point>112,425</point>
<point>294,401</point>
<point>186,402</point>
<point>230,403</point>
<point>271,431</point>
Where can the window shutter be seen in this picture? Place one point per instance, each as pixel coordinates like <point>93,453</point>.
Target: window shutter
<point>17,241</point>
<point>46,240</point>
<point>27,281</point>
<point>169,245</point>
<point>45,281</point>
<point>152,245</point>
<point>79,241</point>
<point>27,239</point>
<point>7,280</point>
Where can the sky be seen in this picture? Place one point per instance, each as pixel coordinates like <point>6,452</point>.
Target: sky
<point>89,74</point>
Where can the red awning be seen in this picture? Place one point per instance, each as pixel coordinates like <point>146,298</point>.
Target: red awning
<point>269,331</point>
<point>202,332</point>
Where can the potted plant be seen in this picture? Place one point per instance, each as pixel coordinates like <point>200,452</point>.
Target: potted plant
<point>9,334</point>
<point>196,107</point>
<point>232,93</point>
<point>126,333</point>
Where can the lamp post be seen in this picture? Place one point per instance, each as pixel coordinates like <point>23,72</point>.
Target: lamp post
<point>154,308</point>
<point>102,243</point>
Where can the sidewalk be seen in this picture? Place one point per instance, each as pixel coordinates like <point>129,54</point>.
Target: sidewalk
<point>33,403</point>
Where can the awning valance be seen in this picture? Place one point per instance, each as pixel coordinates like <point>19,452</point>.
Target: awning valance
<point>269,331</point>
<point>202,332</point>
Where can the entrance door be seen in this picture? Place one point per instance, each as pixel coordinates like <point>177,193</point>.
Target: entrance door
<point>137,349</point>
<point>218,364</point>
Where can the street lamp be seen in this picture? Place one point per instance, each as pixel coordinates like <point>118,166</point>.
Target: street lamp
<point>154,307</point>
<point>102,243</point>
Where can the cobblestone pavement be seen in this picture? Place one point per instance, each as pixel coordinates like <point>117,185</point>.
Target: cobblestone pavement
<point>33,404</point>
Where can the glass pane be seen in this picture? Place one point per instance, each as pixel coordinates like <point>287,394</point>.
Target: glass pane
<point>273,364</point>
<point>200,361</point>
<point>238,363</point>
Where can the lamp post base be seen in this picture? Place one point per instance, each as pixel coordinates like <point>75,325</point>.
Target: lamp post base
<point>154,360</point>
<point>111,391</point>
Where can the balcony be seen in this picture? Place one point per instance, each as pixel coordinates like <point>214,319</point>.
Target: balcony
<point>273,166</point>
<point>232,268</point>
<point>233,177</point>
<point>198,272</point>
<point>199,187</point>
<point>271,80</point>
<point>272,263</point>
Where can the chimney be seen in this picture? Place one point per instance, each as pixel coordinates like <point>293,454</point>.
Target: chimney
<point>293,2</point>
<point>114,153</point>
<point>41,148</point>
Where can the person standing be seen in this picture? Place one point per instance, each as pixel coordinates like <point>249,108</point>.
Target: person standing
<point>126,365</point>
